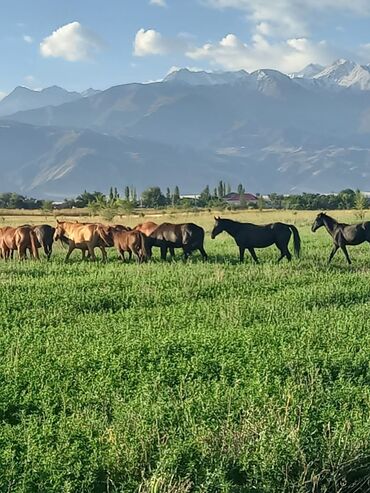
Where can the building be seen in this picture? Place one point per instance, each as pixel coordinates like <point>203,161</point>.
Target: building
<point>234,198</point>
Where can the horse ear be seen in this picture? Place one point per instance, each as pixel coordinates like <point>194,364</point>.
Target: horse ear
<point>215,218</point>
<point>58,222</point>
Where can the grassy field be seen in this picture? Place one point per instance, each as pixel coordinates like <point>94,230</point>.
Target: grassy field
<point>174,378</point>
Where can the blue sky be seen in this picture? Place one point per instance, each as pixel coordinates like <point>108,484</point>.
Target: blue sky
<point>89,43</point>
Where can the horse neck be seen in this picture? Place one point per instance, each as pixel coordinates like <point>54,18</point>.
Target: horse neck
<point>231,227</point>
<point>330,224</point>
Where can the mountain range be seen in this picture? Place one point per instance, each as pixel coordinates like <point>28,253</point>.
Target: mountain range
<point>273,132</point>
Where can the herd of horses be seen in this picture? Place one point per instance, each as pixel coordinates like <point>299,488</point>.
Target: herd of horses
<point>189,237</point>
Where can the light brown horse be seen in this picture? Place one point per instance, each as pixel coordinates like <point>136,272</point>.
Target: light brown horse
<point>125,241</point>
<point>81,236</point>
<point>147,228</point>
<point>18,239</point>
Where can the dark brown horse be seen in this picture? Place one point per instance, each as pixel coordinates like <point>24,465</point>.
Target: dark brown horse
<point>187,236</point>
<point>148,228</point>
<point>342,234</point>
<point>249,236</point>
<point>45,234</point>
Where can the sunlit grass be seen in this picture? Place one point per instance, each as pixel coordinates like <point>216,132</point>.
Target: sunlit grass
<point>174,377</point>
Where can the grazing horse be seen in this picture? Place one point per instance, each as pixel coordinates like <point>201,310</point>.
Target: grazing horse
<point>342,234</point>
<point>250,236</point>
<point>187,236</point>
<point>147,228</point>
<point>125,241</point>
<point>81,236</point>
<point>45,234</point>
<point>20,239</point>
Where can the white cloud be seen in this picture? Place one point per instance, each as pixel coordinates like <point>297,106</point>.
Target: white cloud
<point>231,53</point>
<point>72,42</point>
<point>27,38</point>
<point>151,42</point>
<point>290,17</point>
<point>2,95</point>
<point>158,3</point>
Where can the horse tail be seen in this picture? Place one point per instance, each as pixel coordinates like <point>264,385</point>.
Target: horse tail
<point>296,240</point>
<point>143,246</point>
<point>34,243</point>
<point>103,235</point>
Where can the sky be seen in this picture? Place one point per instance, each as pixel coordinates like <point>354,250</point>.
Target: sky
<point>79,44</point>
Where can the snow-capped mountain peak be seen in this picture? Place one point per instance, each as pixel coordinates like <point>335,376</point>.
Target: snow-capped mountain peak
<point>202,78</point>
<point>309,71</point>
<point>346,73</point>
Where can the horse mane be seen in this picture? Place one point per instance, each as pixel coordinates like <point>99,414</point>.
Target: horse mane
<point>226,220</point>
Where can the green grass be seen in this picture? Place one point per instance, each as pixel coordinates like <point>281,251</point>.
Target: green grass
<point>167,377</point>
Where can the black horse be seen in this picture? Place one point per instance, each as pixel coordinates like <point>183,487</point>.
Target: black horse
<point>187,236</point>
<point>250,236</point>
<point>45,234</point>
<point>342,234</point>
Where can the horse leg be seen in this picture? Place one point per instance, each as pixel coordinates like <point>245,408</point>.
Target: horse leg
<point>285,253</point>
<point>344,250</point>
<point>241,253</point>
<point>203,253</point>
<point>129,255</point>
<point>70,250</point>
<point>163,253</point>
<point>332,253</point>
<point>22,252</point>
<point>254,256</point>
<point>91,252</point>
<point>104,253</point>
<point>186,254</point>
<point>172,252</point>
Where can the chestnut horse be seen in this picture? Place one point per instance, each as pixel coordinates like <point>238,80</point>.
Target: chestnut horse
<point>81,236</point>
<point>20,239</point>
<point>125,241</point>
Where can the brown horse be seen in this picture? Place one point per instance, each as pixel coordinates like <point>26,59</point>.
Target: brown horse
<point>125,241</point>
<point>18,239</point>
<point>81,236</point>
<point>148,228</point>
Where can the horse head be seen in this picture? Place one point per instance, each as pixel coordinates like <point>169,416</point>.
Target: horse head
<point>59,231</point>
<point>319,221</point>
<point>218,227</point>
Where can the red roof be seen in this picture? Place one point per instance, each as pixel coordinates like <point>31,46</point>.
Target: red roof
<point>235,197</point>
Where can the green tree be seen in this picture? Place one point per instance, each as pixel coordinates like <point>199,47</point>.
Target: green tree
<point>153,197</point>
<point>220,189</point>
<point>360,204</point>
<point>176,196</point>
<point>127,194</point>
<point>47,205</point>
<point>204,197</point>
<point>241,189</point>
<point>260,203</point>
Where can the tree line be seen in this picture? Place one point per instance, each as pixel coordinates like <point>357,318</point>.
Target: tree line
<point>154,197</point>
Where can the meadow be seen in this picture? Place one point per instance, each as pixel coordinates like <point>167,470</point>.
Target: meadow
<point>198,377</point>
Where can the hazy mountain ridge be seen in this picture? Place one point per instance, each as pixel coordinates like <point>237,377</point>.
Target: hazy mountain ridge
<point>269,130</point>
<point>23,98</point>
